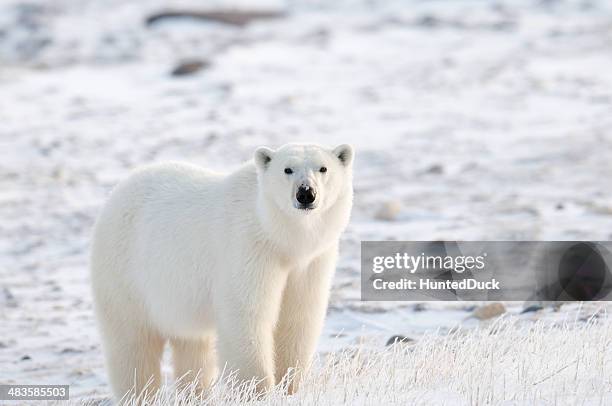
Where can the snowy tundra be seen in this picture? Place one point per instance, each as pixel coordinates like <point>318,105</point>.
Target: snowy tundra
<point>239,264</point>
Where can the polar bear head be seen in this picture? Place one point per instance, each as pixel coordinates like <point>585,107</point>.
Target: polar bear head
<point>305,179</point>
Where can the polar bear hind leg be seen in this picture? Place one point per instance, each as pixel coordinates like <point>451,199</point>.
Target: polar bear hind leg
<point>133,353</point>
<point>194,359</point>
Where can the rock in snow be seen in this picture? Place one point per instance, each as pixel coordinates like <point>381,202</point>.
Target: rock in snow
<point>189,67</point>
<point>389,210</point>
<point>489,311</point>
<point>399,339</point>
<point>231,17</point>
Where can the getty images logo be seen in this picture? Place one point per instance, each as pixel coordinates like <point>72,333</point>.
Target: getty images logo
<point>516,270</point>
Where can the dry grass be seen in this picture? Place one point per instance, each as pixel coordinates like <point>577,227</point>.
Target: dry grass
<point>506,362</point>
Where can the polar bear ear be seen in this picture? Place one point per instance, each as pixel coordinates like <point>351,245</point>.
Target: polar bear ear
<point>263,156</point>
<point>344,153</point>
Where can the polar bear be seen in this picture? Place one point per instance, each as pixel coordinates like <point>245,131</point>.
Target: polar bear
<point>234,270</point>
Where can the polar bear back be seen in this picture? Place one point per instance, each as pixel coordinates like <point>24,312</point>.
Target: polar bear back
<point>162,233</point>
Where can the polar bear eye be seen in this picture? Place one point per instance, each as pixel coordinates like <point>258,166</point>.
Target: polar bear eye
<point>288,171</point>
<point>323,169</point>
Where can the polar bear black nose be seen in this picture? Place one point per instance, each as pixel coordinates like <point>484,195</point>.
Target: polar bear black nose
<point>305,195</point>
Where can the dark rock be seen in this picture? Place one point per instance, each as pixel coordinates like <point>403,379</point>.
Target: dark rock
<point>32,46</point>
<point>399,339</point>
<point>428,21</point>
<point>532,308</point>
<point>435,169</point>
<point>8,298</point>
<point>319,36</point>
<point>70,350</point>
<point>238,18</point>
<point>189,67</point>
<point>506,25</point>
<point>419,307</point>
<point>26,358</point>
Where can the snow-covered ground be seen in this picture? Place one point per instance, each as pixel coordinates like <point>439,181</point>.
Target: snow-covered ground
<point>479,120</point>
<point>507,362</point>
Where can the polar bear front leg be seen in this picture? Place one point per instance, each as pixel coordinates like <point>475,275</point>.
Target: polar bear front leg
<point>301,318</point>
<point>246,316</point>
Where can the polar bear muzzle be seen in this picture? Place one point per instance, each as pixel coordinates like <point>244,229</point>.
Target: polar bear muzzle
<point>305,197</point>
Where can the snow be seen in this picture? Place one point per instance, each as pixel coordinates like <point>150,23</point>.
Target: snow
<point>509,101</point>
<point>507,362</point>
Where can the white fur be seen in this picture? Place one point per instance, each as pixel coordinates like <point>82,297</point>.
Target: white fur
<point>197,258</point>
